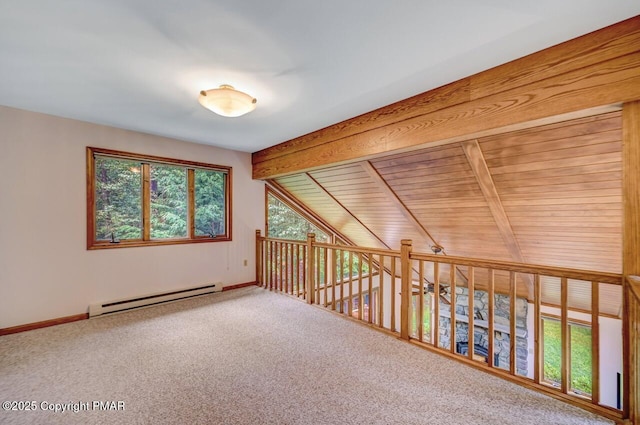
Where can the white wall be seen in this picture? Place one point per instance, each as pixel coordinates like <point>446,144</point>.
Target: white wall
<point>46,271</point>
<point>610,359</point>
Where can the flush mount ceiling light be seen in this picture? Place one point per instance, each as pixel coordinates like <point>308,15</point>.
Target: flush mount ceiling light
<point>227,101</point>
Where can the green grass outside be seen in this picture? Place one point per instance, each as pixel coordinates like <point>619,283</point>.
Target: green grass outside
<point>580,355</point>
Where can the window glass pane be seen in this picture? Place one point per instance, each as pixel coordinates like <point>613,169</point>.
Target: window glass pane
<point>580,359</point>
<point>210,208</point>
<point>118,199</point>
<point>168,202</point>
<point>552,350</point>
<point>285,223</point>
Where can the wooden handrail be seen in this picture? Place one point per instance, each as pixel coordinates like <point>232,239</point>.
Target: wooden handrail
<point>375,251</point>
<point>289,241</point>
<point>603,277</point>
<point>613,278</point>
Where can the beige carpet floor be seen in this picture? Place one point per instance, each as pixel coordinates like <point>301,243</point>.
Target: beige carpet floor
<point>250,356</point>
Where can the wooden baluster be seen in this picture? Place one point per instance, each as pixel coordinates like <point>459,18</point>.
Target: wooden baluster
<point>453,296</point>
<point>334,278</point>
<point>266,264</point>
<point>292,268</point>
<point>283,267</point>
<point>275,266</point>
<point>512,322</point>
<point>271,265</point>
<point>595,343</point>
<point>471,329</point>
<point>381,293</point>
<point>420,318</point>
<point>340,271</point>
<point>436,306</point>
<point>318,275</point>
<point>360,297</point>
<point>564,335</point>
<point>298,267</point>
<point>492,306</point>
<point>350,300</point>
<point>538,364</point>
<point>287,267</point>
<point>304,271</point>
<point>370,306</point>
<point>326,275</point>
<point>339,274</point>
<point>393,294</point>
<point>280,267</point>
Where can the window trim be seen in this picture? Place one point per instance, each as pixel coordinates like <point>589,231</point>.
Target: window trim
<point>146,240</point>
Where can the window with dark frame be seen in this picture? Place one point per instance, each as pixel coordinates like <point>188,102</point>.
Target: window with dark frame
<point>140,200</point>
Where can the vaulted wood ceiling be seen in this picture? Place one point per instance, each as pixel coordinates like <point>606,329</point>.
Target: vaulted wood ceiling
<point>548,195</point>
<point>522,162</point>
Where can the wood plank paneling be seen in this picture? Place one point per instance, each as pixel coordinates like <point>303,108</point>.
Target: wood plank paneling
<point>562,191</point>
<point>361,191</point>
<point>449,203</point>
<point>308,194</point>
<point>589,125</point>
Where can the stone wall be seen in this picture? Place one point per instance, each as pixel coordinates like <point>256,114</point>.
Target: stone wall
<point>502,339</point>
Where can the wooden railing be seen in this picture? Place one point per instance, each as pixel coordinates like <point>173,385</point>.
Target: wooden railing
<point>632,300</point>
<point>489,314</point>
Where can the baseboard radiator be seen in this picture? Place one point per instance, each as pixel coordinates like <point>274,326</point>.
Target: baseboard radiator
<point>152,299</point>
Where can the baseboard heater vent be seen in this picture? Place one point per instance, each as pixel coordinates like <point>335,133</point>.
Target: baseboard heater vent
<point>153,299</point>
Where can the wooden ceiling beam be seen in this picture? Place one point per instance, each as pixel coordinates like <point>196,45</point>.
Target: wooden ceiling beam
<point>479,166</point>
<point>476,160</point>
<point>583,76</point>
<point>392,197</point>
<point>353,217</point>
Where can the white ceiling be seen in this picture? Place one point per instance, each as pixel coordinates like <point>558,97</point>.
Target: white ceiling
<point>139,64</point>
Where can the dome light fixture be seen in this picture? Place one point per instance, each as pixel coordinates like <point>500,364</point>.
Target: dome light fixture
<point>227,101</point>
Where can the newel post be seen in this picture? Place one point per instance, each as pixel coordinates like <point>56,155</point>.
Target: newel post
<point>311,261</point>
<point>406,289</point>
<point>259,280</point>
